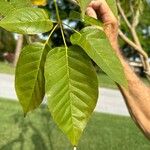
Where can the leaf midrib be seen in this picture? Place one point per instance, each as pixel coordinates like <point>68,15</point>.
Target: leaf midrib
<point>87,41</point>
<point>68,75</point>
<point>2,22</point>
<point>36,77</point>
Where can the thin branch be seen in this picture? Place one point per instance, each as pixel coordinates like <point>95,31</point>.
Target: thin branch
<point>60,23</point>
<point>135,21</point>
<point>139,50</point>
<point>123,14</point>
<point>51,33</point>
<point>131,43</point>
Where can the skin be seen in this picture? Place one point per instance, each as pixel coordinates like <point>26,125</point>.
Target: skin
<point>137,96</point>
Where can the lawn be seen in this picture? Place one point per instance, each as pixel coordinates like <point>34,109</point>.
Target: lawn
<point>6,68</point>
<point>38,132</point>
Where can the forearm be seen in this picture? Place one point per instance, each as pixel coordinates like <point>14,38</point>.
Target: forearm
<point>137,98</point>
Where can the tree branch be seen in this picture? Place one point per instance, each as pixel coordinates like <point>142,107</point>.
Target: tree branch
<point>136,44</point>
<point>123,14</point>
<point>131,43</point>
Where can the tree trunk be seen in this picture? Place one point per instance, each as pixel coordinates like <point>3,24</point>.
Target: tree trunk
<point>18,49</point>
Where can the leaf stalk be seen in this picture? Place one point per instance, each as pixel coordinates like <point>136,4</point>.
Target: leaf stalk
<point>60,23</point>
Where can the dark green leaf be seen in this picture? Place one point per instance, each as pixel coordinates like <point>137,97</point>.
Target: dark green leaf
<point>71,89</point>
<point>29,79</point>
<point>27,21</point>
<point>97,46</point>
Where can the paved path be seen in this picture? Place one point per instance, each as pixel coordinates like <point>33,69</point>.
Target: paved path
<point>110,101</point>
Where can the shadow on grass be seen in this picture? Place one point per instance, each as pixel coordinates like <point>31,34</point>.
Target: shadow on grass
<point>36,137</point>
<point>38,132</point>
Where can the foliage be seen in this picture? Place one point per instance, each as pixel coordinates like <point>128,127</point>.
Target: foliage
<point>142,28</point>
<point>67,78</point>
<point>5,38</point>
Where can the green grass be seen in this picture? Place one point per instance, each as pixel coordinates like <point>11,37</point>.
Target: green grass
<point>38,132</point>
<point>6,68</point>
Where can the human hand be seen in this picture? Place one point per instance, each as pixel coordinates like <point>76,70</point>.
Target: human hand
<point>99,9</point>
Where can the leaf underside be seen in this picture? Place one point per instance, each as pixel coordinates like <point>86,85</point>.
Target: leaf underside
<point>29,77</point>
<point>71,89</point>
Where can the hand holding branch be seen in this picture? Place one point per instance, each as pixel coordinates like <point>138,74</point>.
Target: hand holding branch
<point>137,96</point>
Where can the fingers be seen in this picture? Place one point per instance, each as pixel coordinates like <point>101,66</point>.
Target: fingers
<point>91,12</point>
<point>102,10</point>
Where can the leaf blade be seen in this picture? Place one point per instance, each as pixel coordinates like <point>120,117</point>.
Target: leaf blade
<point>27,21</point>
<point>72,90</point>
<point>5,8</point>
<point>98,47</point>
<point>20,3</point>
<point>29,76</point>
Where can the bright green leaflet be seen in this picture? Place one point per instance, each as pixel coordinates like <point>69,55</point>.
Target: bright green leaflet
<point>71,89</point>
<point>27,21</point>
<point>5,8</point>
<point>8,7</point>
<point>97,46</point>
<point>21,3</point>
<point>29,77</point>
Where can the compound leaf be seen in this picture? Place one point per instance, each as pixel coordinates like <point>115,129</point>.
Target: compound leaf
<point>71,89</point>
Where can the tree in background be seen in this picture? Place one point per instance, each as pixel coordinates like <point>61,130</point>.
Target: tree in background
<point>134,29</point>
<point>7,43</point>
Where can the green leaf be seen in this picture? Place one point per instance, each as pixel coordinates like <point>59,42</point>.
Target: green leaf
<point>113,6</point>
<point>5,8</point>
<point>27,21</point>
<point>71,89</point>
<point>21,3</point>
<point>83,5</point>
<point>29,77</point>
<point>97,46</point>
<point>87,19</point>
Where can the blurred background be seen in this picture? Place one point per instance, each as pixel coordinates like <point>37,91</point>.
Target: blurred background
<point>110,127</point>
